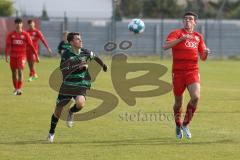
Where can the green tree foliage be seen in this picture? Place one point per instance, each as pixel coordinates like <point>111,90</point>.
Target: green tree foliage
<point>162,9</point>
<point>171,9</point>
<point>118,13</point>
<point>231,9</point>
<point>6,8</point>
<point>204,9</point>
<point>235,13</point>
<point>130,8</point>
<point>226,9</point>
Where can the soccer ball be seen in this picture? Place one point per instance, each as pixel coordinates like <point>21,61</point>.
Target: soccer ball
<point>136,26</point>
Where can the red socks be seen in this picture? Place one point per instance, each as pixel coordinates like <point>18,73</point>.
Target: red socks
<point>189,114</point>
<point>20,84</point>
<point>32,72</point>
<point>178,117</point>
<point>17,84</point>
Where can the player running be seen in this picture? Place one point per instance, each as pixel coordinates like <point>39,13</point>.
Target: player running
<point>186,44</point>
<point>76,80</point>
<point>16,44</point>
<point>36,35</point>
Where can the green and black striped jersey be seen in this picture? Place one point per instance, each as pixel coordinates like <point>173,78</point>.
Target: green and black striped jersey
<point>74,68</point>
<point>63,46</point>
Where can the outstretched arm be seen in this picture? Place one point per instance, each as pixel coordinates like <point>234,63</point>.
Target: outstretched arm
<point>30,43</point>
<point>203,50</point>
<point>100,62</point>
<point>44,42</point>
<point>204,54</point>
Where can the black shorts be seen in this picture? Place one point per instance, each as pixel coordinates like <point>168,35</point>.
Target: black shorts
<point>64,99</point>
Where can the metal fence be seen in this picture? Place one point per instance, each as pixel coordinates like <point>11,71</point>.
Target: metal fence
<point>221,36</point>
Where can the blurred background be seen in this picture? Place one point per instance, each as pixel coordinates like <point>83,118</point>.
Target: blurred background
<point>101,21</point>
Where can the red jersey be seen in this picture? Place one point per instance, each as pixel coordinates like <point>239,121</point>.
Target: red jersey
<point>17,43</point>
<point>185,53</point>
<point>36,35</point>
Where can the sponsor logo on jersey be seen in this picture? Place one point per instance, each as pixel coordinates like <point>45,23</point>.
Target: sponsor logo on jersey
<point>191,44</point>
<point>18,41</point>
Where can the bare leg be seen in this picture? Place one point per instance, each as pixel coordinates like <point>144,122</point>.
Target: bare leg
<point>20,78</point>
<point>194,91</point>
<point>15,78</point>
<point>32,69</point>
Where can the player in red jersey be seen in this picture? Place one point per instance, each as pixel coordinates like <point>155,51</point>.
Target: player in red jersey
<point>186,45</point>
<point>16,43</point>
<point>35,35</point>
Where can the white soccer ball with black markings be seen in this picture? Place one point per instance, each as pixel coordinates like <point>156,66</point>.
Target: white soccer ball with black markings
<point>136,26</point>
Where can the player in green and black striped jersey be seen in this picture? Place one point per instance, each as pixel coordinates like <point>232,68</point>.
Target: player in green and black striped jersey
<point>76,80</point>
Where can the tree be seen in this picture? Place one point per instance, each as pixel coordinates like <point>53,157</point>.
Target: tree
<point>202,8</point>
<point>231,9</point>
<point>226,9</point>
<point>118,14</point>
<point>130,8</point>
<point>6,8</point>
<point>149,9</point>
<point>235,13</point>
<point>162,9</point>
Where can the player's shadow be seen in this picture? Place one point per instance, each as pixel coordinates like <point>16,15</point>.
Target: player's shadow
<point>128,142</point>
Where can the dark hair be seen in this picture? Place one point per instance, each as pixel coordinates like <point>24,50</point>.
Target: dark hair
<point>18,20</point>
<point>71,35</point>
<point>190,13</point>
<point>30,21</point>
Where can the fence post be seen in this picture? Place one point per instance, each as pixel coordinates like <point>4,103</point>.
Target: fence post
<point>65,26</point>
<point>162,39</point>
<point>206,31</point>
<point>220,38</point>
<point>157,37</point>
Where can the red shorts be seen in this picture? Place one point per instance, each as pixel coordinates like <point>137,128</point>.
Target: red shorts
<point>17,62</point>
<point>31,56</point>
<point>182,79</point>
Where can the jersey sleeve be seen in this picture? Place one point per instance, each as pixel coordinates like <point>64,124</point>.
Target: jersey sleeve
<point>201,48</point>
<point>65,64</point>
<point>41,37</point>
<point>90,54</point>
<point>30,42</point>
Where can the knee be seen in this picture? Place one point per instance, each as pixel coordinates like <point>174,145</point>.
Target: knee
<point>80,103</point>
<point>178,104</point>
<point>195,99</point>
<point>57,114</point>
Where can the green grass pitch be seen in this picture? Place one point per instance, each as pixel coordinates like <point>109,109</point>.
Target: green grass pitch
<point>24,120</point>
